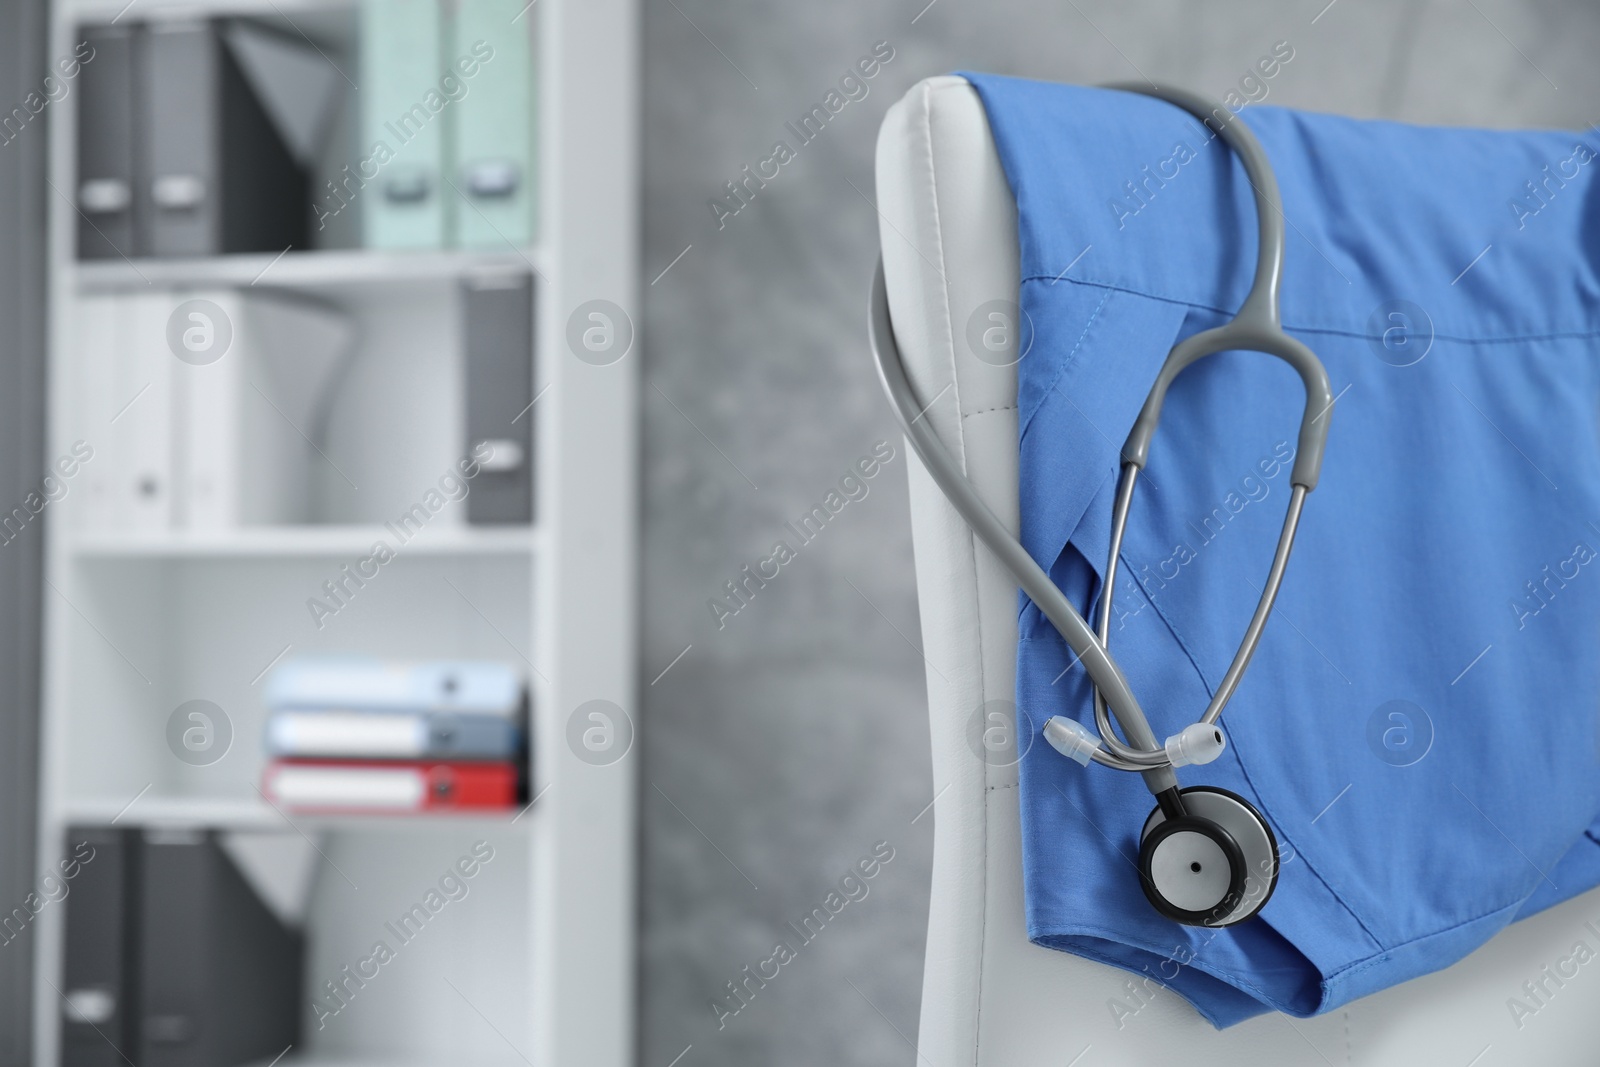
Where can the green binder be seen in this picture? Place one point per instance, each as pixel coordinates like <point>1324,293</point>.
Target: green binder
<point>493,162</point>
<point>403,110</point>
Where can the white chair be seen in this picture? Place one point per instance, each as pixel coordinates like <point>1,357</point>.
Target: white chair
<point>948,233</point>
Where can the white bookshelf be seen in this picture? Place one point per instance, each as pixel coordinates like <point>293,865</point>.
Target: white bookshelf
<point>537,965</point>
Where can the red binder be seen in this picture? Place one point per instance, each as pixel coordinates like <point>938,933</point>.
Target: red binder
<point>394,788</point>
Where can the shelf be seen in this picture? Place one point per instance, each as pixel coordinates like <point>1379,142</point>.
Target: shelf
<point>108,10</point>
<point>348,269</point>
<point>301,542</point>
<point>510,1059</point>
<point>257,815</point>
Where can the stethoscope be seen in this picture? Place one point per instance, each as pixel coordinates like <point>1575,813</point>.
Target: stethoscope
<point>1206,856</point>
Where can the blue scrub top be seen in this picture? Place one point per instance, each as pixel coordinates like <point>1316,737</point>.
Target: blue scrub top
<point>1419,723</point>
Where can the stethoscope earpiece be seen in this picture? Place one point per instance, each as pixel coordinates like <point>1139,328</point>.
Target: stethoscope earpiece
<point>1206,856</point>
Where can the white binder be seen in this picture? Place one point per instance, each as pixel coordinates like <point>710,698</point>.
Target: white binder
<point>127,371</point>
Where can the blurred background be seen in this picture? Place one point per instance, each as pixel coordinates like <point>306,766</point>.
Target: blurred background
<point>706,753</point>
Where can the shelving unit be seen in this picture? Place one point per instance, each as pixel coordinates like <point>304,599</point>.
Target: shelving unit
<point>536,964</point>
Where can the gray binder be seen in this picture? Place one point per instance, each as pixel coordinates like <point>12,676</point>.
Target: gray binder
<point>214,175</point>
<point>105,145</point>
<point>498,341</point>
<point>98,995</point>
<point>172,960</point>
<point>219,975</point>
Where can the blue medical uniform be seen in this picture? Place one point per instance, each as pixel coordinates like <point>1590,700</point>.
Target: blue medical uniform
<point>1419,723</point>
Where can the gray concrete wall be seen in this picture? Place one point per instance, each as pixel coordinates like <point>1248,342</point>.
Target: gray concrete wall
<point>780,747</point>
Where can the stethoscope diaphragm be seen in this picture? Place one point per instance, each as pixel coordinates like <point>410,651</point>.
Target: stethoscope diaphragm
<point>1215,865</point>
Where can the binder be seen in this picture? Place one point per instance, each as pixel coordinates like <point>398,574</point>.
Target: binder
<point>401,59</point>
<point>214,175</point>
<point>385,735</point>
<point>219,974</point>
<point>497,327</point>
<point>144,420</point>
<point>462,686</point>
<point>389,788</point>
<point>128,370</point>
<point>211,446</point>
<point>208,406</point>
<point>98,983</point>
<point>105,145</point>
<point>265,204</point>
<point>298,87</point>
<point>493,153</point>
<point>171,958</point>
<point>178,176</point>
<point>98,329</point>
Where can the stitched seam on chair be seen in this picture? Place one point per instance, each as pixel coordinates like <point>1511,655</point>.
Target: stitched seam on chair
<point>986,411</point>
<point>972,551</point>
<point>1067,361</point>
<point>1556,335</point>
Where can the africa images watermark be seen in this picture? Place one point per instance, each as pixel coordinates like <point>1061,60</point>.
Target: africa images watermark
<point>1252,89</point>
<point>742,588</point>
<point>454,884</point>
<point>852,87</point>
<point>54,90</point>
<point>1142,992</point>
<point>1252,488</point>
<point>1537,992</point>
<point>52,488</point>
<point>52,890</point>
<point>452,88</point>
<point>453,487</point>
<point>1548,584</point>
<point>852,888</point>
<point>1535,197</point>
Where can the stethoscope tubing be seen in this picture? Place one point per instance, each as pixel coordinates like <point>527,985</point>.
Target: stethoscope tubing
<point>1102,669</point>
<point>1256,327</point>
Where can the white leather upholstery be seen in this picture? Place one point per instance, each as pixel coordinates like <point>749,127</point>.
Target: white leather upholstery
<point>948,233</point>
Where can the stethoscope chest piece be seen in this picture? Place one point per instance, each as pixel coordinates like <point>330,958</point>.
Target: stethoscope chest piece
<point>1214,865</point>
